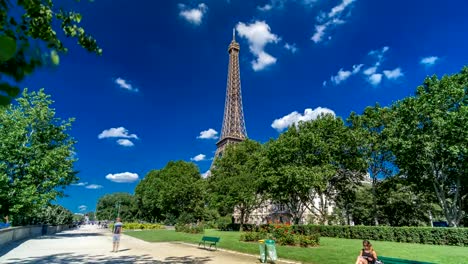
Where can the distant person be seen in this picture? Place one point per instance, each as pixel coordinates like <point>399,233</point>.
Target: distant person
<point>116,234</point>
<point>367,255</point>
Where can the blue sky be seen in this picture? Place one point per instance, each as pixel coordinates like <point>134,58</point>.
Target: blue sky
<point>161,80</point>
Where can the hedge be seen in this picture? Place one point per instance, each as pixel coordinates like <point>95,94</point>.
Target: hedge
<point>190,228</point>
<point>422,235</point>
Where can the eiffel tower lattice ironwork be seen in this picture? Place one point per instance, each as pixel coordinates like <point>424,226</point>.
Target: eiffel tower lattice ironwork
<point>233,130</point>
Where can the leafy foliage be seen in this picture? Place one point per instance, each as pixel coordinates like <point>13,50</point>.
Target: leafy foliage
<point>112,205</point>
<point>36,156</point>
<point>29,39</point>
<point>429,137</point>
<point>235,180</point>
<point>168,193</point>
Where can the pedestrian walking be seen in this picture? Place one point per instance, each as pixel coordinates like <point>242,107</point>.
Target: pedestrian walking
<point>117,231</point>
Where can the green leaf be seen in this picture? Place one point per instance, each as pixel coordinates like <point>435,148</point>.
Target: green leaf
<point>54,57</point>
<point>8,49</point>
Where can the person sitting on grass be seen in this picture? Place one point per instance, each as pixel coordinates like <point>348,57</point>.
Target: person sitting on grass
<point>367,255</point>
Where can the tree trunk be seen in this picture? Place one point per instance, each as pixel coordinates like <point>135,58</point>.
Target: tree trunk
<point>242,215</point>
<point>374,199</point>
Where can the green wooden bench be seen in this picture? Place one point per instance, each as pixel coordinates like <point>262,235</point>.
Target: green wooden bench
<point>209,240</point>
<point>387,260</point>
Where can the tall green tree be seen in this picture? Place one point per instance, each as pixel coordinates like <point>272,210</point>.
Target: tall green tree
<point>430,140</point>
<point>31,34</point>
<point>318,159</point>
<point>111,206</point>
<point>167,193</point>
<point>235,179</point>
<point>36,155</point>
<point>369,129</point>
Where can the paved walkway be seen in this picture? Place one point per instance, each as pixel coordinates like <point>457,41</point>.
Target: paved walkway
<point>92,245</point>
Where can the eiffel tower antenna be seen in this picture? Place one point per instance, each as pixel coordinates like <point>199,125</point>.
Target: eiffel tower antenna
<point>233,130</point>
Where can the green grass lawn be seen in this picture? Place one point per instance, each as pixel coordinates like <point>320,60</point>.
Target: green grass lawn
<point>330,251</point>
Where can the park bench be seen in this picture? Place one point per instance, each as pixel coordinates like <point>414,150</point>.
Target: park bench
<point>210,240</point>
<point>387,260</point>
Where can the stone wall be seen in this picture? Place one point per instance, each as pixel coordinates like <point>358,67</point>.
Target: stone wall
<point>25,232</point>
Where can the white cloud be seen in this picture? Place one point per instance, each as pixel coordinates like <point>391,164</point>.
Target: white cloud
<point>337,10</point>
<point>293,118</point>
<point>429,61</point>
<point>193,15</point>
<point>340,77</point>
<point>394,74</point>
<point>80,184</point>
<point>330,20</point>
<point>375,79</point>
<point>119,132</point>
<point>94,186</point>
<point>199,157</point>
<point>265,8</point>
<point>82,208</point>
<point>379,54</point>
<point>122,177</point>
<point>125,85</point>
<point>125,143</point>
<point>370,70</point>
<point>357,68</point>
<point>291,47</point>
<point>258,34</point>
<point>208,134</point>
<point>206,174</point>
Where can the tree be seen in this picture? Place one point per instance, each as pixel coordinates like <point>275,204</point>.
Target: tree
<point>167,193</point>
<point>235,182</point>
<point>429,138</point>
<point>111,206</point>
<point>29,39</point>
<point>317,159</point>
<point>36,155</point>
<point>403,204</point>
<point>370,127</point>
<point>55,215</point>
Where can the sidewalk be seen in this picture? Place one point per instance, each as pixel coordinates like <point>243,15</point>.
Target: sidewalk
<point>92,245</point>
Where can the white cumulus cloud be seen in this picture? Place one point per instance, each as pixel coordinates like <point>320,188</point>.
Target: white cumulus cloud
<point>393,74</point>
<point>199,157</point>
<point>122,177</point>
<point>193,15</point>
<point>125,143</point>
<point>429,61</point>
<point>119,132</point>
<point>375,79</point>
<point>258,34</point>
<point>94,186</point>
<point>125,85</point>
<point>82,208</point>
<point>293,118</point>
<point>208,134</point>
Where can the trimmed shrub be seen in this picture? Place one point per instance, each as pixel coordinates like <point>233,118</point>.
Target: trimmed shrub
<point>190,228</point>
<point>422,235</point>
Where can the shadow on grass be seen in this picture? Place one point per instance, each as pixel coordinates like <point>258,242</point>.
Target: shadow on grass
<point>95,259</point>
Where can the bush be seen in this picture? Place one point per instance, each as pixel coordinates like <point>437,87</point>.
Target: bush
<point>284,235</point>
<point>422,235</point>
<point>223,222</point>
<point>190,228</point>
<point>138,226</point>
<point>236,227</point>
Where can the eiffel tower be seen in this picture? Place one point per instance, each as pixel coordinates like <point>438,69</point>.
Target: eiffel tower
<point>233,130</point>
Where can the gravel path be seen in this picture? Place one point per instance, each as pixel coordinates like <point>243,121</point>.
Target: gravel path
<point>91,245</point>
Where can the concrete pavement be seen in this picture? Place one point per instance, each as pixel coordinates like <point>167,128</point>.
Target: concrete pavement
<point>91,245</point>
